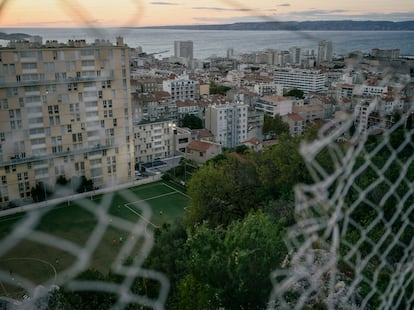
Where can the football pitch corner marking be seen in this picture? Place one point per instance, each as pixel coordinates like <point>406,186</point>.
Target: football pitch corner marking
<point>176,190</point>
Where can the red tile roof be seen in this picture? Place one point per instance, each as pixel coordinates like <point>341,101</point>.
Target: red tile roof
<point>295,117</point>
<point>199,146</point>
<point>238,157</point>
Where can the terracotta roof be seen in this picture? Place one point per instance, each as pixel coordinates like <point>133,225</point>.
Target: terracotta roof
<point>203,133</point>
<point>186,103</point>
<point>307,108</point>
<point>199,146</point>
<point>238,157</point>
<point>253,140</point>
<point>295,117</point>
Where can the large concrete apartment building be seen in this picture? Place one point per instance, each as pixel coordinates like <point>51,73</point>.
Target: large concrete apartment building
<point>228,123</point>
<point>64,111</point>
<point>306,80</point>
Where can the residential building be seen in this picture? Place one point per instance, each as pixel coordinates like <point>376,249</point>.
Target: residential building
<point>306,80</point>
<point>182,136</point>
<point>150,106</point>
<point>190,107</point>
<point>325,51</point>
<point>272,104</point>
<point>182,88</point>
<point>201,151</point>
<point>65,111</point>
<point>296,123</point>
<point>183,49</point>
<point>228,123</point>
<point>254,144</point>
<point>268,88</point>
<point>385,54</point>
<point>295,55</point>
<point>154,140</point>
<point>310,112</point>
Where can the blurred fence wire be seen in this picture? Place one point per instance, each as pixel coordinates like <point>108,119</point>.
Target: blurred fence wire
<point>352,246</point>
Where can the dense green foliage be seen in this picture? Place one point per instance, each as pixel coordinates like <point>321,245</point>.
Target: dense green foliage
<point>232,236</point>
<point>297,93</point>
<point>216,89</point>
<point>274,126</point>
<point>192,121</point>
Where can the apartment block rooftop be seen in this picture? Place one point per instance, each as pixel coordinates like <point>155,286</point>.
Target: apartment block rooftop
<point>37,42</point>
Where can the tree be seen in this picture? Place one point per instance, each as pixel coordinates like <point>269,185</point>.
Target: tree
<point>297,93</point>
<point>218,89</point>
<point>82,184</point>
<point>40,192</point>
<point>61,180</point>
<point>222,191</point>
<point>170,256</point>
<point>237,262</point>
<point>274,126</point>
<point>193,122</point>
<point>280,168</point>
<point>87,299</point>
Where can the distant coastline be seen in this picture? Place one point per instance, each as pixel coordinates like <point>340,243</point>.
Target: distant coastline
<point>14,36</point>
<point>334,25</point>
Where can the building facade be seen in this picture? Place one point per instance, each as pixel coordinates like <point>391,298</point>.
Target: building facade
<point>325,51</point>
<point>306,80</point>
<point>183,49</point>
<point>182,88</point>
<point>228,123</point>
<point>64,112</point>
<point>154,140</point>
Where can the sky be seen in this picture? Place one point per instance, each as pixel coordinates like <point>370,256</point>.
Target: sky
<point>106,13</point>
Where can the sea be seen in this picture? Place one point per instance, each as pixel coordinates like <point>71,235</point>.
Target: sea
<point>208,43</point>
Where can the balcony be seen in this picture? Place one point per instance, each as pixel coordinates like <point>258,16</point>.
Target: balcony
<point>56,82</point>
<point>40,157</point>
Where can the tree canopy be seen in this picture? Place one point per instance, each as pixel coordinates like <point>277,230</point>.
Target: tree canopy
<point>192,121</point>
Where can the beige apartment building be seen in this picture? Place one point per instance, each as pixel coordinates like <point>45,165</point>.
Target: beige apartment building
<point>64,111</point>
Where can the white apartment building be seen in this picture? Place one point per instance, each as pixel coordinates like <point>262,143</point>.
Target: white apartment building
<point>154,140</point>
<point>182,88</point>
<point>325,51</point>
<point>268,88</point>
<point>228,123</point>
<point>306,80</point>
<point>183,49</point>
<point>64,111</point>
<point>295,55</point>
<point>369,90</point>
<point>276,105</point>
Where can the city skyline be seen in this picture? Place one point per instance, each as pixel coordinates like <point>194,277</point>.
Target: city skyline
<point>52,13</point>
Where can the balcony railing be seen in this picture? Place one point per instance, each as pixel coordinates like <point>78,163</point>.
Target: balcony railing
<point>55,82</point>
<point>14,160</point>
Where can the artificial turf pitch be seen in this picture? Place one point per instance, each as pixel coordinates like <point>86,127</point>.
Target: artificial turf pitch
<point>39,262</point>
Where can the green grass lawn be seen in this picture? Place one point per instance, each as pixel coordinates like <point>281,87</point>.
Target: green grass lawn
<point>37,261</point>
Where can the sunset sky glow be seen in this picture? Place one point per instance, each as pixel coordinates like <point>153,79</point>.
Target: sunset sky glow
<point>76,13</point>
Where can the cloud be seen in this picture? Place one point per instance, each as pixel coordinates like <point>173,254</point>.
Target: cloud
<point>163,3</point>
<point>284,4</point>
<point>222,9</point>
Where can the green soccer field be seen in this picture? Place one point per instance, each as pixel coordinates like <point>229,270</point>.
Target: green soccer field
<point>63,232</point>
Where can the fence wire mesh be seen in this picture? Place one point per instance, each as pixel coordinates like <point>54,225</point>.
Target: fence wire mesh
<point>352,246</point>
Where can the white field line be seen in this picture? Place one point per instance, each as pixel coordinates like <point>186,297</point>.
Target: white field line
<point>146,220</point>
<point>175,190</point>
<point>154,197</point>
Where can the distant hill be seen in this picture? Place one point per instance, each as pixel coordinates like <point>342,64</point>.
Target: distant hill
<point>345,25</point>
<point>14,36</point>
